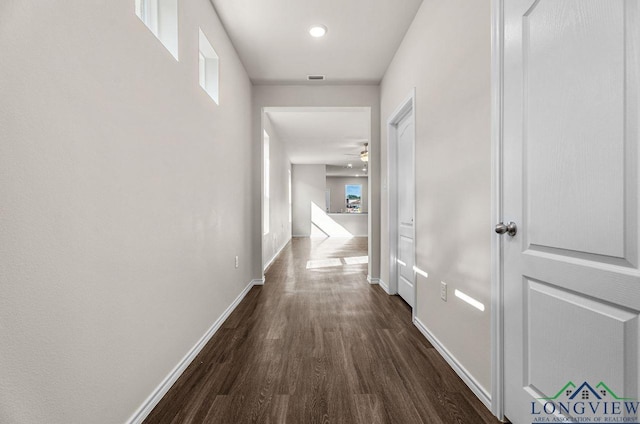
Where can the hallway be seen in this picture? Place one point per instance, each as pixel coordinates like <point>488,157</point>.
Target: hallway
<point>157,156</point>
<point>316,344</point>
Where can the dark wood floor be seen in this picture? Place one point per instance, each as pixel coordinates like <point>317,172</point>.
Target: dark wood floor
<point>318,344</point>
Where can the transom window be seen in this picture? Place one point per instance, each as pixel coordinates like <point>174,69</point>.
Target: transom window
<point>208,65</point>
<point>161,17</point>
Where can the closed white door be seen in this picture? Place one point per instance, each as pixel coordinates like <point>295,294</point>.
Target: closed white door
<point>570,168</point>
<point>406,193</point>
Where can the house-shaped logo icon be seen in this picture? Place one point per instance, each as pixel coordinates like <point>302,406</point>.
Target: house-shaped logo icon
<point>585,392</point>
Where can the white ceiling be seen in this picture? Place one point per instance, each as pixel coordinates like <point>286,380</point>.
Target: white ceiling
<point>330,136</point>
<point>341,171</point>
<point>272,38</point>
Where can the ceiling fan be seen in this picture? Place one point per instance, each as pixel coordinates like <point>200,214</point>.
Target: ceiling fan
<point>363,155</point>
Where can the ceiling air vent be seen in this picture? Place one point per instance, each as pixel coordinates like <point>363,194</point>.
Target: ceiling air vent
<point>315,77</point>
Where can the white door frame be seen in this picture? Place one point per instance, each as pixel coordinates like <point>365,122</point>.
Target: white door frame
<point>408,106</point>
<point>497,281</point>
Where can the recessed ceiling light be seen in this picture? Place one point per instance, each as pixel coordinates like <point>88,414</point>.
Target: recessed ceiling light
<point>349,165</point>
<point>318,31</point>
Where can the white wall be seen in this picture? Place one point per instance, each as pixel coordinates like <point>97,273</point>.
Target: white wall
<point>279,224</point>
<point>355,224</point>
<point>336,185</point>
<point>308,190</point>
<point>446,56</point>
<point>330,96</point>
<point>122,205</point>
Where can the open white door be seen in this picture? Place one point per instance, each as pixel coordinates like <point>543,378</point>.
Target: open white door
<point>570,185</point>
<point>401,128</point>
<point>406,201</point>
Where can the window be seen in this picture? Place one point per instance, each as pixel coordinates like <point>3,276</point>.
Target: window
<point>161,17</point>
<point>265,203</point>
<point>353,198</point>
<point>208,64</point>
<point>290,205</point>
<point>202,69</point>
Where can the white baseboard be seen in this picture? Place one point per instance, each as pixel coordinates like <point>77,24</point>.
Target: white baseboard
<point>469,380</point>
<point>270,261</point>
<point>384,286</point>
<point>372,280</point>
<point>155,397</point>
<point>258,282</point>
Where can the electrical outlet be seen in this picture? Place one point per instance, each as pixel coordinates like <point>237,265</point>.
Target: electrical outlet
<point>443,291</point>
<point>237,262</point>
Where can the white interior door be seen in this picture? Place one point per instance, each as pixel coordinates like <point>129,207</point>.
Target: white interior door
<point>406,193</point>
<point>327,200</point>
<point>570,183</point>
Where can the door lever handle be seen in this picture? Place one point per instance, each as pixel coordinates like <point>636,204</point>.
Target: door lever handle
<point>510,228</point>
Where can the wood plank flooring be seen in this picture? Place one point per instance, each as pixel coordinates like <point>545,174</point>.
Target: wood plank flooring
<point>318,344</point>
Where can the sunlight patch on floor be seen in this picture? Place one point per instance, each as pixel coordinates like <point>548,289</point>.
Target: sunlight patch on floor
<point>356,260</point>
<point>326,263</point>
<point>323,263</point>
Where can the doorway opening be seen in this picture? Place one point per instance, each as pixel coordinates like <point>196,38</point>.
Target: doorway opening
<point>321,148</point>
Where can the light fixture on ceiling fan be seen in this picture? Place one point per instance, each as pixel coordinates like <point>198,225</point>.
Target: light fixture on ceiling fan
<point>364,155</point>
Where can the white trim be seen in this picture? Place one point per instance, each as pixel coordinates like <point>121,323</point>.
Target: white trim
<point>372,280</point>
<point>258,282</point>
<point>384,286</point>
<point>155,397</point>
<point>497,327</point>
<point>373,165</point>
<point>266,182</point>
<point>261,138</point>
<point>469,380</point>
<point>270,261</point>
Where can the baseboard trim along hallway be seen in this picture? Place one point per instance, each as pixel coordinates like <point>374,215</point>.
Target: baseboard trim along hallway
<point>270,261</point>
<point>372,280</point>
<point>384,286</point>
<point>157,395</point>
<point>318,343</point>
<point>468,379</point>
